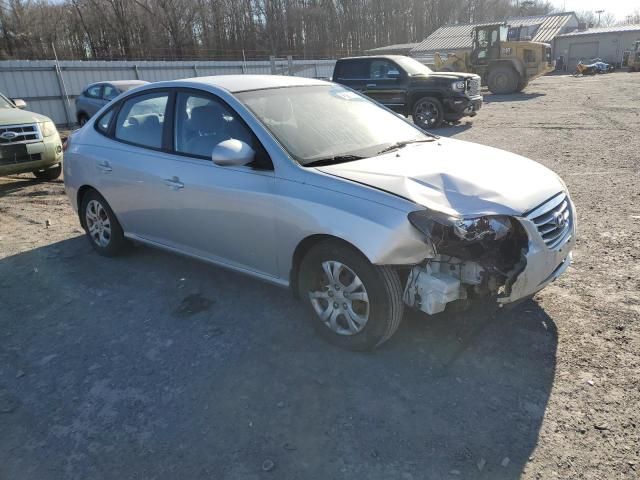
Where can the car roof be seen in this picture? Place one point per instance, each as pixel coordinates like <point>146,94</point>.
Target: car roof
<point>117,83</point>
<point>243,83</point>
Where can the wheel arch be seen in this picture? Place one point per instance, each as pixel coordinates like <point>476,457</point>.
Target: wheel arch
<point>80,114</point>
<point>301,250</point>
<point>415,96</point>
<point>82,191</point>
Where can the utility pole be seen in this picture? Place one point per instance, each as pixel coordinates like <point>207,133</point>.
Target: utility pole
<point>599,12</point>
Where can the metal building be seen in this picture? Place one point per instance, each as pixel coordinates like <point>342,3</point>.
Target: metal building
<point>397,49</point>
<point>456,38</point>
<point>609,44</point>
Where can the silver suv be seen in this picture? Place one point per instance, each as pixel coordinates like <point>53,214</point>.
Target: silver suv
<point>310,185</point>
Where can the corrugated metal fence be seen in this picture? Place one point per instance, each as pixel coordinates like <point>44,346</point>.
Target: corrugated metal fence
<point>50,89</point>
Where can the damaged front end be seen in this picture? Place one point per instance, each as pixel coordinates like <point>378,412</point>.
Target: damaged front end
<point>476,258</point>
<point>495,256</point>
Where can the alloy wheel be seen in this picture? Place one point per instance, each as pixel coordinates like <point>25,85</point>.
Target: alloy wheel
<point>341,300</point>
<point>427,113</point>
<point>98,223</point>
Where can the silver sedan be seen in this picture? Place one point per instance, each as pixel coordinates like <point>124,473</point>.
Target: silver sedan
<point>312,186</point>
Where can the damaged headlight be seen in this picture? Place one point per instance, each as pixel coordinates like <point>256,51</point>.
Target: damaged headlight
<point>436,224</point>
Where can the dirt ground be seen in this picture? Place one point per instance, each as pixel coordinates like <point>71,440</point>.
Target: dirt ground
<point>152,366</point>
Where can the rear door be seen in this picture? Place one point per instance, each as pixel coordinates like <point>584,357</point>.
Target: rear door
<point>387,84</point>
<point>353,73</point>
<point>132,168</point>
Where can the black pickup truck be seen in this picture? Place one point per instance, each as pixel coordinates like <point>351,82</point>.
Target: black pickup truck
<point>408,87</point>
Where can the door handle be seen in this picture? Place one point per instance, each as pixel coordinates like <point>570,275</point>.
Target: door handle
<point>174,183</point>
<point>105,166</point>
<point>369,85</point>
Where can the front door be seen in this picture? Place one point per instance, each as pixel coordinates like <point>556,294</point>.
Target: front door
<point>386,84</point>
<point>223,213</point>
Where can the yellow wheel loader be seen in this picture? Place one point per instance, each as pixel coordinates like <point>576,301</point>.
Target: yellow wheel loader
<point>505,66</point>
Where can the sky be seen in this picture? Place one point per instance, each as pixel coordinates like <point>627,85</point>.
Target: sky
<point>619,8</point>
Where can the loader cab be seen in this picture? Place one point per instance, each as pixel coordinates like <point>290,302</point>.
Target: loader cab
<point>486,43</point>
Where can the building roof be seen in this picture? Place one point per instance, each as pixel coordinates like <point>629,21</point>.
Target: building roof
<point>596,31</point>
<point>398,47</point>
<point>458,37</point>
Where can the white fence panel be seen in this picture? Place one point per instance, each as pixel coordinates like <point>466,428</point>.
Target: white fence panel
<point>46,89</point>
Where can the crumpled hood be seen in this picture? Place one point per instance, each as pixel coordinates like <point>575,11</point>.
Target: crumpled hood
<point>15,116</point>
<point>456,177</point>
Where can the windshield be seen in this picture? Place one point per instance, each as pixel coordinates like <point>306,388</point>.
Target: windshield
<point>5,102</point>
<point>327,121</point>
<point>412,66</point>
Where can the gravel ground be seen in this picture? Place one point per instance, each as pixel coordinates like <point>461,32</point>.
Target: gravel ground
<point>153,366</point>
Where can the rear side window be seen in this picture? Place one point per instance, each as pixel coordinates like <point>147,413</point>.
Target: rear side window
<point>141,120</point>
<point>353,69</point>
<point>109,92</point>
<point>94,91</point>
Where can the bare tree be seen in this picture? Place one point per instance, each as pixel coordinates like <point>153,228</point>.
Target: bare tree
<point>207,29</point>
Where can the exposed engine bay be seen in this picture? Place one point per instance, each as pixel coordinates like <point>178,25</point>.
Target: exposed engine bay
<point>475,258</point>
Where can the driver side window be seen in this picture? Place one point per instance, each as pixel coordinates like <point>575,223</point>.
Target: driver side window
<point>201,122</point>
<point>383,70</point>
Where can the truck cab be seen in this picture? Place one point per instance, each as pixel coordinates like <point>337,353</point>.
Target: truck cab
<point>408,87</point>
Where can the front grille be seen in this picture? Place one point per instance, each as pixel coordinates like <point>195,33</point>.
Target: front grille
<point>554,220</point>
<point>473,87</point>
<point>19,158</point>
<point>13,134</point>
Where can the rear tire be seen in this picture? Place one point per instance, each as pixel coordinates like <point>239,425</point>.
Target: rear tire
<point>502,80</point>
<point>101,225</point>
<point>49,174</point>
<point>522,84</point>
<point>82,119</point>
<point>361,303</point>
<point>428,113</point>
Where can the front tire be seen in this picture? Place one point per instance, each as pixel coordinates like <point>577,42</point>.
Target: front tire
<point>49,174</point>
<point>502,80</point>
<point>428,113</point>
<point>101,225</point>
<point>354,304</point>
